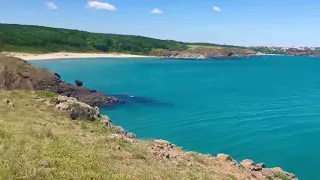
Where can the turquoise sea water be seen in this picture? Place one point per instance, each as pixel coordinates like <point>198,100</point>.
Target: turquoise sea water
<point>262,108</point>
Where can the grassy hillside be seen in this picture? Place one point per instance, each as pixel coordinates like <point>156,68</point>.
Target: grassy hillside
<point>38,141</point>
<point>38,39</point>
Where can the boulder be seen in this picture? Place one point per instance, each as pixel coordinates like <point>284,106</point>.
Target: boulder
<point>79,112</point>
<point>96,111</point>
<point>119,130</point>
<point>224,157</point>
<point>247,163</point>
<point>79,83</point>
<point>107,122</point>
<point>76,109</point>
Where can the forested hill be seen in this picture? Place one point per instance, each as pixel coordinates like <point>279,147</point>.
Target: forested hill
<point>38,39</point>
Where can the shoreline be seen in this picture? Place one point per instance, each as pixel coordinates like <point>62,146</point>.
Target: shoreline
<point>160,150</point>
<point>68,55</point>
<point>71,55</point>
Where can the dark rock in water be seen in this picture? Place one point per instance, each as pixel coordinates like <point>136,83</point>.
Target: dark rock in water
<point>230,53</point>
<point>113,99</point>
<point>93,91</point>
<point>82,113</point>
<point>79,83</point>
<point>125,99</point>
<point>83,94</point>
<point>17,74</point>
<point>133,99</point>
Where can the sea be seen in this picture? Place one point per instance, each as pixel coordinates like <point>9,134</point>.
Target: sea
<point>263,108</point>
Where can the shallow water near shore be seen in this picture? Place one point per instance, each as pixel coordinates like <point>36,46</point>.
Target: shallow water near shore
<point>262,108</point>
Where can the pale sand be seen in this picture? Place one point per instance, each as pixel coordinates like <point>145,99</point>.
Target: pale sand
<point>65,55</point>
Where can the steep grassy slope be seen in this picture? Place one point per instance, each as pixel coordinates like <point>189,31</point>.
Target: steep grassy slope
<point>38,141</point>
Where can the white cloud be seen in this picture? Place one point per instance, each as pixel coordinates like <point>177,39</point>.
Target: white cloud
<point>156,11</point>
<point>216,9</point>
<point>51,5</point>
<point>101,5</point>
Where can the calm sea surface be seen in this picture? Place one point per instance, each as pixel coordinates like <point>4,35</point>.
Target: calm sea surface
<point>262,108</point>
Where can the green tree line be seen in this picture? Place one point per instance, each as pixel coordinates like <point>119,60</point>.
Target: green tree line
<point>28,38</point>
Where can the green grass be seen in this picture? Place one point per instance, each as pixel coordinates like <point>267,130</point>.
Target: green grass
<point>269,177</point>
<point>192,47</point>
<point>45,94</point>
<point>232,177</point>
<point>196,157</point>
<point>39,142</point>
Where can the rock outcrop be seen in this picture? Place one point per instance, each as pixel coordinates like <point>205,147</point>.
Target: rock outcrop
<point>83,111</point>
<point>247,169</point>
<point>206,53</point>
<point>17,74</point>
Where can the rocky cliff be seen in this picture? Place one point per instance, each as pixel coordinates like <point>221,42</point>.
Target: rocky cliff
<point>17,74</point>
<point>205,53</point>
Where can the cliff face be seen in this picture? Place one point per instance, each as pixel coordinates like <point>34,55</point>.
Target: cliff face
<point>17,74</point>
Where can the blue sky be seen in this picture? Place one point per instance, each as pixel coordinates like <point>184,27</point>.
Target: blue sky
<point>239,22</point>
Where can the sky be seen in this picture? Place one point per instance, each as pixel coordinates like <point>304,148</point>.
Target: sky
<point>233,22</point>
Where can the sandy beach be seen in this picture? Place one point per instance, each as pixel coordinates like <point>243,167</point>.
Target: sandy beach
<point>65,55</point>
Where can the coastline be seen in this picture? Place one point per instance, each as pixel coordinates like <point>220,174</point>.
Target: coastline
<point>164,152</point>
<point>68,55</point>
<point>72,55</point>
